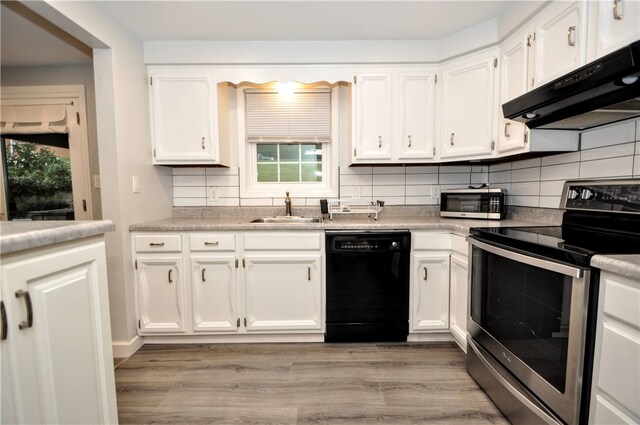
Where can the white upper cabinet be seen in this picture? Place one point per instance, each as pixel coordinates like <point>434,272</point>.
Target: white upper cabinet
<point>616,24</point>
<point>393,116</point>
<point>558,42</point>
<point>468,106</point>
<point>514,60</point>
<point>184,117</point>
<point>416,115</point>
<point>372,116</point>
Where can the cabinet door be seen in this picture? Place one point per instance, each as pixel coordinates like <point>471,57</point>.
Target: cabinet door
<point>416,116</point>
<point>514,58</point>
<point>559,45</point>
<point>214,293</point>
<point>468,96</point>
<point>618,24</point>
<point>61,364</point>
<point>459,290</point>
<point>372,117</point>
<point>161,294</point>
<point>183,118</point>
<point>283,292</point>
<point>430,293</point>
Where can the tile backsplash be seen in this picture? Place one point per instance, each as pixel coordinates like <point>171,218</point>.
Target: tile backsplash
<point>605,153</point>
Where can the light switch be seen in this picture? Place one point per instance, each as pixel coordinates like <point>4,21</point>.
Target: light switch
<point>135,183</point>
<point>96,181</point>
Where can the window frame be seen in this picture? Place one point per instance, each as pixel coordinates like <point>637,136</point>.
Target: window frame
<point>251,188</point>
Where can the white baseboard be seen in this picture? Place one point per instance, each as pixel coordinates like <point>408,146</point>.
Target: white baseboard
<point>460,337</point>
<point>127,348</point>
<point>430,336</point>
<point>243,338</point>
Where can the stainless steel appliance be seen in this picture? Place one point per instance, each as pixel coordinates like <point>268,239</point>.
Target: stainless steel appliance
<point>482,202</point>
<point>533,299</point>
<point>601,92</point>
<point>367,286</point>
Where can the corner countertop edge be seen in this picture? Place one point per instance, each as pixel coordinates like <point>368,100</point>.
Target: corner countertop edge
<point>22,235</point>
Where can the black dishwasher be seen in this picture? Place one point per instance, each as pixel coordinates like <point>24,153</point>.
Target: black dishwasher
<point>367,286</point>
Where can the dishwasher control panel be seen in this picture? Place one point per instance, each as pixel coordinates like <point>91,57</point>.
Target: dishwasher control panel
<point>360,244</point>
<point>368,242</point>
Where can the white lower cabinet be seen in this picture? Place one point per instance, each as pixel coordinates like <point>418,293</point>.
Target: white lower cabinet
<point>615,392</point>
<point>235,283</point>
<point>161,294</point>
<point>283,292</point>
<point>57,364</point>
<point>430,310</point>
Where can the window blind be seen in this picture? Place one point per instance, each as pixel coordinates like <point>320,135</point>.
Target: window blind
<point>33,119</point>
<point>302,116</point>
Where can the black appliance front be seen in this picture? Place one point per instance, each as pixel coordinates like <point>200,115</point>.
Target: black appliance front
<point>367,286</point>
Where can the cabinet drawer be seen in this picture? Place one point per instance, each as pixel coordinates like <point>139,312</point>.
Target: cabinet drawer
<point>459,245</point>
<point>157,243</point>
<point>622,299</point>
<point>213,242</point>
<point>274,241</point>
<point>432,241</point>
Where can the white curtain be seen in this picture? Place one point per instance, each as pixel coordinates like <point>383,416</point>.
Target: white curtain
<point>33,119</point>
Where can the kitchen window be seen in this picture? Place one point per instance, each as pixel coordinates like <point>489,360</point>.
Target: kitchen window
<point>288,142</point>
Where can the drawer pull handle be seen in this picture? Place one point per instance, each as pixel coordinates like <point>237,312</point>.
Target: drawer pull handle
<point>203,278</point>
<point>617,10</point>
<point>169,274</point>
<point>202,142</point>
<point>571,35</point>
<point>4,321</point>
<point>451,140</point>
<point>506,129</point>
<point>212,243</point>
<point>309,274</point>
<point>156,244</point>
<point>409,141</point>
<point>379,142</point>
<point>27,299</point>
<point>426,273</point>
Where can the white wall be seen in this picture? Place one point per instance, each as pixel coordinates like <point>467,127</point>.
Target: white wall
<point>64,75</point>
<point>123,141</point>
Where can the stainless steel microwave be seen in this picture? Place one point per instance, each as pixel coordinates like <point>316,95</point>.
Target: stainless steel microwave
<point>484,203</point>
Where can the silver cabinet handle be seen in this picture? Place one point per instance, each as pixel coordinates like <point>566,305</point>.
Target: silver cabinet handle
<point>169,275</point>
<point>452,135</point>
<point>571,35</point>
<point>5,329</point>
<point>309,273</point>
<point>203,278</point>
<point>212,243</point>
<point>379,142</point>
<point>617,10</point>
<point>506,129</point>
<point>409,140</point>
<point>426,273</point>
<point>355,152</point>
<point>27,299</point>
<point>156,244</point>
<point>202,141</point>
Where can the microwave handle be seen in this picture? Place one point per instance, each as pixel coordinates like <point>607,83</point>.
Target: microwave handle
<point>532,261</point>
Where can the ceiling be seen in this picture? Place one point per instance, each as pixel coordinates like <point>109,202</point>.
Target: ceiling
<point>28,40</point>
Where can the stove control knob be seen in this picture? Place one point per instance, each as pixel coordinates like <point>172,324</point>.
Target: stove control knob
<point>573,194</point>
<point>587,194</point>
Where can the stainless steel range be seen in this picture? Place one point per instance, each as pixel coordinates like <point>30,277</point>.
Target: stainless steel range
<point>533,300</point>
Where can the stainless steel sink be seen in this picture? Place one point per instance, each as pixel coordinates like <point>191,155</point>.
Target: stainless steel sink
<point>287,219</point>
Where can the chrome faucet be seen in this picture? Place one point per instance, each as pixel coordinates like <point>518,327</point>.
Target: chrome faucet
<point>287,205</point>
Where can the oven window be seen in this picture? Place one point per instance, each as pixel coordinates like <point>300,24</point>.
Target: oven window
<point>526,309</point>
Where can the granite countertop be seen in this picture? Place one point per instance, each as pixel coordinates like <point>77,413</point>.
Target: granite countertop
<point>21,235</point>
<point>360,222</point>
<point>625,265</point>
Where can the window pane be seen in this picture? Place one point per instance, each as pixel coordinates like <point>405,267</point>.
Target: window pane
<point>267,173</point>
<point>267,152</point>
<point>289,172</point>
<point>311,172</point>
<point>312,153</point>
<point>290,152</point>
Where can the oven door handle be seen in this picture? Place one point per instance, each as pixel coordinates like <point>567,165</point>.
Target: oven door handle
<point>526,259</point>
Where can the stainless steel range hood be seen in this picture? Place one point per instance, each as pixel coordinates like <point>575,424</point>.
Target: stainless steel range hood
<point>601,92</point>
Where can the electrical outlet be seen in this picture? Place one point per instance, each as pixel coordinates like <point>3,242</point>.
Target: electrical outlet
<point>435,192</point>
<point>96,181</point>
<point>135,184</point>
<point>356,192</point>
<point>213,193</point>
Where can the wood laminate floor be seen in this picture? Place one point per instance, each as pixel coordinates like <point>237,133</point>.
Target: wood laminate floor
<point>301,384</point>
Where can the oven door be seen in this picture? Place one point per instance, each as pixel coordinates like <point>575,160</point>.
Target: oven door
<point>531,315</point>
